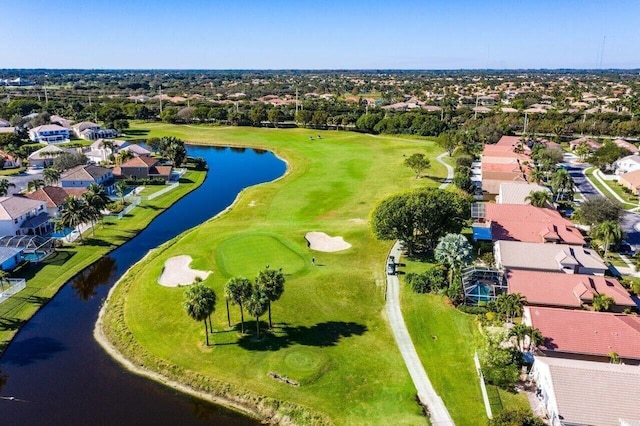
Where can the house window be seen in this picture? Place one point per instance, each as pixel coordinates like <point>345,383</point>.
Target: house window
<point>15,220</point>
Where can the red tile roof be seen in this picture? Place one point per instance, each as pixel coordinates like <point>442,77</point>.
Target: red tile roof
<point>141,161</point>
<point>586,332</point>
<point>510,141</point>
<point>54,196</point>
<point>526,223</point>
<point>565,290</point>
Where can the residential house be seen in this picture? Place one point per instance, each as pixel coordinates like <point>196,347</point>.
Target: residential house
<point>627,164</point>
<point>500,163</point>
<point>49,133</point>
<point>631,181</point>
<point>45,157</point>
<point>517,192</point>
<point>54,197</point>
<point>5,130</point>
<point>526,223</point>
<point>143,167</point>
<point>572,291</point>
<point>585,335</point>
<point>4,123</point>
<point>102,149</point>
<point>593,145</point>
<point>92,131</point>
<point>626,145</point>
<point>548,257</point>
<point>587,393</point>
<point>23,216</point>
<point>84,175</point>
<point>56,119</point>
<point>10,257</point>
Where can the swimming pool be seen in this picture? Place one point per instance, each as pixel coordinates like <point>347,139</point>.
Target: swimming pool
<point>35,257</point>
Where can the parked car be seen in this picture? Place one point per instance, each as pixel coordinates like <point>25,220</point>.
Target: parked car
<point>625,248</point>
<point>391,268</point>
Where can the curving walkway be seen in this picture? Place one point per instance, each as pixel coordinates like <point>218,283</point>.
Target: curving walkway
<point>438,413</point>
<point>449,177</point>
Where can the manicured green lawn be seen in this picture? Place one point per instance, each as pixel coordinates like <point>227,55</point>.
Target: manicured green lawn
<point>331,334</point>
<point>609,186</point>
<point>45,279</point>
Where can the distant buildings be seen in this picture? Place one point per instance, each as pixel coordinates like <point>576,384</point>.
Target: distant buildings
<point>92,131</point>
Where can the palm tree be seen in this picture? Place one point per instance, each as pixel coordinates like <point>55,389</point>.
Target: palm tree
<point>272,283</point>
<point>121,189</point>
<point>96,200</point>
<point>539,198</point>
<point>521,332</point>
<point>238,290</point>
<point>608,232</point>
<point>562,184</point>
<point>73,214</point>
<point>4,186</point>
<point>34,185</point>
<point>124,156</point>
<point>536,176</point>
<point>510,305</point>
<point>454,251</point>
<point>51,175</point>
<point>603,302</point>
<point>257,305</point>
<point>195,306</point>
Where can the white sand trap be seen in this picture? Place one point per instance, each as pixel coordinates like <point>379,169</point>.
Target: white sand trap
<point>322,242</point>
<point>177,272</point>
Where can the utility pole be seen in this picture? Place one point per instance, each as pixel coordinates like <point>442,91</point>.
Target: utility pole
<point>161,99</point>
<point>526,121</point>
<point>46,98</point>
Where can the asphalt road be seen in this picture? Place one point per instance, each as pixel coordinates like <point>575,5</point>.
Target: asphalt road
<point>21,181</point>
<point>630,220</point>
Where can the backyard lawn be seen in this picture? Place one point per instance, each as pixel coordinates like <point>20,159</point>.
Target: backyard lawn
<point>45,279</point>
<point>330,335</point>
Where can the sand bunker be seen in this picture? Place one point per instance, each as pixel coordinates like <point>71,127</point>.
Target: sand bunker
<point>322,242</point>
<point>177,272</point>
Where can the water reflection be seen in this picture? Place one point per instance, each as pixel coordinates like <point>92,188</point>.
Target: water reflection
<point>98,274</point>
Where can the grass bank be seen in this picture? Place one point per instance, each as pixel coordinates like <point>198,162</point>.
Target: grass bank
<point>330,332</point>
<point>45,279</point>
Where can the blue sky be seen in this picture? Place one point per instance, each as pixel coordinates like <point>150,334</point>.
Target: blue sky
<point>321,34</point>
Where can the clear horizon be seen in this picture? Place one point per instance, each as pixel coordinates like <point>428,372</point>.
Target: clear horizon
<point>323,35</point>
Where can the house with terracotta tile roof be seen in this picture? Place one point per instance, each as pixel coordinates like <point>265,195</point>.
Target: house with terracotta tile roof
<point>626,145</point>
<point>500,163</point>
<point>143,167</point>
<point>631,181</point>
<point>585,335</point>
<point>54,197</point>
<point>572,291</point>
<point>526,223</point>
<point>548,257</point>
<point>593,145</point>
<point>587,393</point>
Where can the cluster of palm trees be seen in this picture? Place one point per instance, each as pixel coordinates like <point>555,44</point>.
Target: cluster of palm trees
<point>560,181</point>
<point>255,297</point>
<point>76,211</point>
<point>508,305</point>
<point>200,303</point>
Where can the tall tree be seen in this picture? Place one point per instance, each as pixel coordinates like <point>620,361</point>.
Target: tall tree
<point>238,290</point>
<point>34,185</point>
<point>257,305</point>
<point>562,185</point>
<point>195,306</point>
<point>510,305</point>
<point>418,163</point>
<point>448,141</point>
<point>73,214</point>
<point>600,209</point>
<point>539,198</point>
<point>526,336</point>
<point>421,217</point>
<point>121,189</point>
<point>272,284</point>
<point>4,186</point>
<point>609,232</point>
<point>51,175</point>
<point>454,251</point>
<point>603,302</point>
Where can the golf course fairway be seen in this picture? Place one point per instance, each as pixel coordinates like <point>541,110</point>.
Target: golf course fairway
<point>330,333</point>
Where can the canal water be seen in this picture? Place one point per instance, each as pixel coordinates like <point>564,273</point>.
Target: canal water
<point>56,371</point>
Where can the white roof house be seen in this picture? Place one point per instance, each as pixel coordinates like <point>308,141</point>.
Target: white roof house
<point>23,216</point>
<point>516,192</point>
<point>565,258</point>
<point>49,133</point>
<point>44,157</point>
<point>627,164</point>
<point>588,393</point>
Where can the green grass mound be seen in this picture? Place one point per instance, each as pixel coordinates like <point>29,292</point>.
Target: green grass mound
<point>253,252</point>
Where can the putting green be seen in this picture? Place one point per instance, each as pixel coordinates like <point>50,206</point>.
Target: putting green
<point>246,254</point>
<point>304,365</point>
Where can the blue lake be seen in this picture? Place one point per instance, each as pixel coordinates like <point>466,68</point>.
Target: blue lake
<point>57,371</point>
